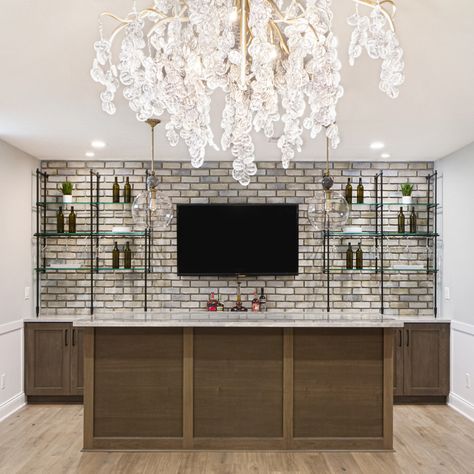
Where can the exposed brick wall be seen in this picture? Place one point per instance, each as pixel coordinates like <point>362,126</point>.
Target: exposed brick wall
<point>406,293</point>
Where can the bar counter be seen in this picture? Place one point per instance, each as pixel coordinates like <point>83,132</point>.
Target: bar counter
<point>275,380</point>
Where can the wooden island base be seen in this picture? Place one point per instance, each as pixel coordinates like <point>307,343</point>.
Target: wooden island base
<point>263,388</point>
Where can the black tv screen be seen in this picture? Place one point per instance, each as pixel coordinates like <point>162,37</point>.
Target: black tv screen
<point>237,239</point>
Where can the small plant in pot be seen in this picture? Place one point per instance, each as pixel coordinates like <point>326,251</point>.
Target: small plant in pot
<point>407,189</point>
<point>66,189</point>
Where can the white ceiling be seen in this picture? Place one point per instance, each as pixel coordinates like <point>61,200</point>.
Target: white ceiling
<point>49,105</point>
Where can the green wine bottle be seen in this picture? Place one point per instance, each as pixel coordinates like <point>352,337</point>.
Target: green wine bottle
<point>116,191</point>
<point>349,257</point>
<point>127,256</point>
<point>348,193</point>
<point>60,221</point>
<point>401,221</point>
<point>413,221</point>
<point>72,221</point>
<point>359,257</point>
<point>360,192</point>
<point>127,191</point>
<point>115,257</point>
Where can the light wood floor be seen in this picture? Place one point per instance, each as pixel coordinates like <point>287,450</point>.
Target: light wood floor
<point>47,439</point>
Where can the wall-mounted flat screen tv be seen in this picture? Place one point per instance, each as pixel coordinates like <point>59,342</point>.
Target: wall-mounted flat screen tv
<point>237,239</point>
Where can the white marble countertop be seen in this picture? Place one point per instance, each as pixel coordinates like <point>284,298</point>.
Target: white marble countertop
<point>231,319</point>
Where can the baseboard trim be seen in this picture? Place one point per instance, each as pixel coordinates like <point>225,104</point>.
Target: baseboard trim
<point>461,406</point>
<point>12,405</point>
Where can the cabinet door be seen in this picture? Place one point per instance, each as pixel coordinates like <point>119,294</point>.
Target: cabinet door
<point>77,362</point>
<point>426,359</point>
<point>398,363</point>
<point>47,356</point>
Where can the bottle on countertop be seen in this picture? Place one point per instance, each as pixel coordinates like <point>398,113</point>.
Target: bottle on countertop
<point>127,191</point>
<point>127,256</point>
<point>116,191</point>
<point>255,302</point>
<point>212,302</point>
<point>115,256</point>
<point>238,305</point>
<point>60,221</point>
<point>220,305</point>
<point>401,221</point>
<point>348,193</point>
<point>72,221</point>
<point>359,257</point>
<point>360,192</point>
<point>349,258</point>
<point>263,300</point>
<point>413,221</point>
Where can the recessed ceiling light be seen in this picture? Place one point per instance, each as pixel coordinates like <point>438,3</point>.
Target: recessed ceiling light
<point>385,155</point>
<point>376,145</point>
<point>89,154</point>
<point>98,144</point>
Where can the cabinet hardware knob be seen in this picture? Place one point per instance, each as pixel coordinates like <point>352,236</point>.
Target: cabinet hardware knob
<point>65,337</point>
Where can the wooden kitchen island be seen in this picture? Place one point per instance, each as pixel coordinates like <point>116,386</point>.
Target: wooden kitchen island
<point>277,381</point>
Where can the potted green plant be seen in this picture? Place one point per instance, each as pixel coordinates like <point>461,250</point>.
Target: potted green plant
<point>66,188</point>
<point>407,189</point>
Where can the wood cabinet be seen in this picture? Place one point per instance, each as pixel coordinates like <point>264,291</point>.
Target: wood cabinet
<point>421,362</point>
<point>53,360</point>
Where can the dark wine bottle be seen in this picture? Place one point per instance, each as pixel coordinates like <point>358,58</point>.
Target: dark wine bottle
<point>348,193</point>
<point>413,221</point>
<point>127,191</point>
<point>360,192</point>
<point>349,257</point>
<point>115,257</point>
<point>116,191</point>
<point>60,221</point>
<point>127,256</point>
<point>401,221</point>
<point>359,257</point>
<point>72,221</point>
<point>263,300</point>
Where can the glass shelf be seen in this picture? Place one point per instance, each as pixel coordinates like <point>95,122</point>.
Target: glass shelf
<point>85,269</point>
<point>386,270</point>
<point>379,234</point>
<point>392,204</point>
<point>82,203</point>
<point>88,234</point>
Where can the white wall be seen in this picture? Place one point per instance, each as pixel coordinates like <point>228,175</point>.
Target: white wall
<point>16,272</point>
<point>457,186</point>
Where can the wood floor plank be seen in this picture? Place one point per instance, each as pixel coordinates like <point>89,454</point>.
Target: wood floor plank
<point>47,439</point>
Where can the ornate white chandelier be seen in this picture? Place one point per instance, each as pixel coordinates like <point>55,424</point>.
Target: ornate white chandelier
<point>276,61</point>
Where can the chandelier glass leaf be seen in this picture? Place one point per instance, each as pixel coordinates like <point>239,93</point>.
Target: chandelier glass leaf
<point>376,34</point>
<point>275,60</point>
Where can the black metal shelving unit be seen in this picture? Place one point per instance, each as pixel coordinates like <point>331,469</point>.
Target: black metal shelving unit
<point>381,237</point>
<point>94,234</point>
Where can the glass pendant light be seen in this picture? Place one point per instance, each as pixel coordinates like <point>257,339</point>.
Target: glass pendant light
<point>152,209</point>
<point>328,210</point>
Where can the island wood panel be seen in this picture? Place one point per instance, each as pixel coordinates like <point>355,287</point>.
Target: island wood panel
<point>238,383</point>
<point>339,383</point>
<point>138,383</point>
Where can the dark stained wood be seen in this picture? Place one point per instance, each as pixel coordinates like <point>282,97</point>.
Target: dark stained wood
<point>338,383</point>
<point>138,382</point>
<point>388,343</point>
<point>188,389</point>
<point>238,382</point>
<point>77,361</point>
<point>426,359</point>
<point>89,355</point>
<point>288,387</point>
<point>398,362</point>
<point>47,357</point>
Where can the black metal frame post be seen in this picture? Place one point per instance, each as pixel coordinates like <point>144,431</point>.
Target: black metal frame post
<point>41,185</point>
<point>94,256</point>
<point>146,256</point>
<point>382,238</point>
